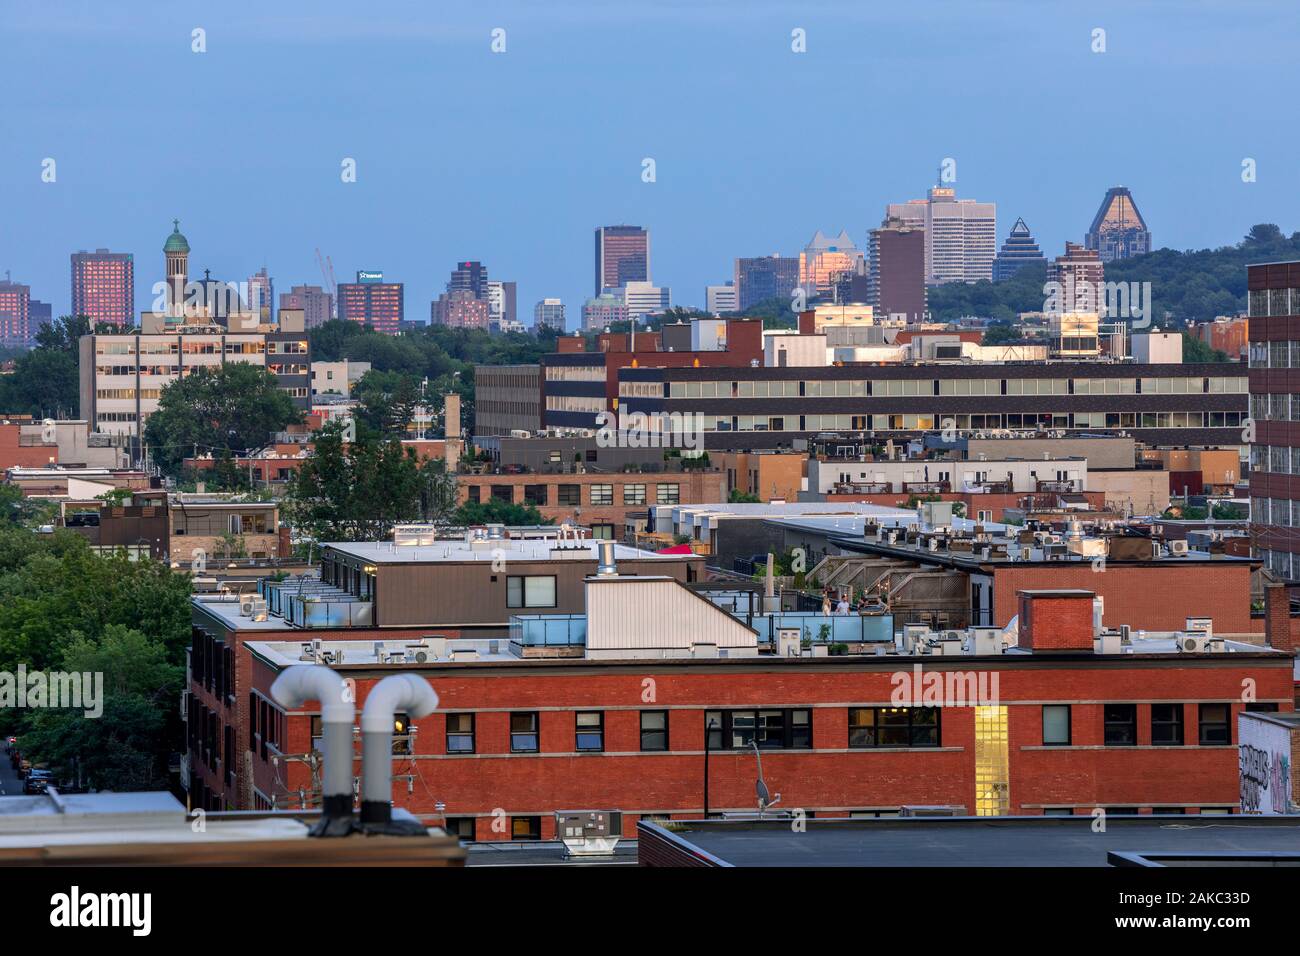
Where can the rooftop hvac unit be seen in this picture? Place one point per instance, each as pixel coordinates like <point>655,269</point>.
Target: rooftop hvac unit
<point>1178,547</point>
<point>246,606</point>
<point>588,832</point>
<point>788,641</point>
<point>1200,625</point>
<point>1195,643</point>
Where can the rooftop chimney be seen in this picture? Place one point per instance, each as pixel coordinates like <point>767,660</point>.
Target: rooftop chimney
<point>607,566</point>
<point>1277,617</point>
<point>1060,620</point>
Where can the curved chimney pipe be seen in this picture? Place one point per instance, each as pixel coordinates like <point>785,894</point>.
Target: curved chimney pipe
<point>294,687</point>
<point>413,696</point>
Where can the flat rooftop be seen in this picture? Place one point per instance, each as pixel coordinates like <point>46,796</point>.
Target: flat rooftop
<point>977,841</point>
<point>457,550</point>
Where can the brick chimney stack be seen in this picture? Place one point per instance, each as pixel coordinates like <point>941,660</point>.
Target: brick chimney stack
<point>1277,617</point>
<point>1059,620</point>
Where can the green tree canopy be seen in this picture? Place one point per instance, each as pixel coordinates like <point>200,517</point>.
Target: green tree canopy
<point>230,408</point>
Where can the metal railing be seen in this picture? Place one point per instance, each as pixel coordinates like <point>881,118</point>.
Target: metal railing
<point>548,630</point>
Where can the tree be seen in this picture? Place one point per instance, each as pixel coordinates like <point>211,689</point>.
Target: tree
<point>1196,350</point>
<point>386,402</point>
<point>231,408</point>
<point>999,333</point>
<point>496,511</point>
<point>126,747</point>
<point>742,497</point>
<point>64,607</point>
<point>358,491</point>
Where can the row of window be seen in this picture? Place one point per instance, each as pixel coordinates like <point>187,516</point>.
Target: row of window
<point>868,728</point>
<point>931,421</point>
<point>908,388</point>
<point>599,493</point>
<point>1264,302</point>
<point>1119,724</point>
<point>1275,407</point>
<point>1282,512</point>
<point>1277,459</point>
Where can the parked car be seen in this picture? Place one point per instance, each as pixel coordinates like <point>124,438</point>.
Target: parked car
<point>37,781</point>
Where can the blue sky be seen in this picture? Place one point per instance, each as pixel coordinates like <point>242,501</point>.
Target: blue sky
<point>515,158</point>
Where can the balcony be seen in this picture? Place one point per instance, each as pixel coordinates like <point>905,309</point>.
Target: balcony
<point>1060,487</point>
<point>818,628</point>
<point>548,630</point>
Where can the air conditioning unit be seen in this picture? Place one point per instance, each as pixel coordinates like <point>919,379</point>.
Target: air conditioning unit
<point>246,606</point>
<point>1193,643</point>
<point>788,641</point>
<point>1178,546</point>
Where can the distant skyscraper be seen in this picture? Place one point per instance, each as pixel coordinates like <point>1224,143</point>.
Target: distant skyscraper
<point>372,301</point>
<point>960,234</point>
<point>1081,275</point>
<point>471,277</point>
<point>766,277</point>
<point>720,298</point>
<point>603,310</point>
<point>1018,251</point>
<point>459,309</point>
<point>103,287</point>
<point>825,258</point>
<point>261,296</point>
<point>1118,230</point>
<point>622,256</point>
<point>549,313</point>
<point>643,298</point>
<point>897,286</point>
<point>502,304</point>
<point>41,314</point>
<point>316,304</point>
<point>15,315</point>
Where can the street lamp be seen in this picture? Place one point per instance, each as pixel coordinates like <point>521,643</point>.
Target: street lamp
<point>709,725</point>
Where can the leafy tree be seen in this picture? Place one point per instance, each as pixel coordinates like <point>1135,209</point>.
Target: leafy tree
<point>64,607</point>
<point>496,511</point>
<point>386,402</point>
<point>357,491</point>
<point>742,497</point>
<point>127,746</point>
<point>1196,350</point>
<point>999,333</point>
<point>230,408</point>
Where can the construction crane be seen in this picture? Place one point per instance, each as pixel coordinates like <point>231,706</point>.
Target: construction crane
<point>327,273</point>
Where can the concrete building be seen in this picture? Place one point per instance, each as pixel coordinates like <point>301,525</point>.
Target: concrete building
<point>604,310</point>
<point>549,313</point>
<point>507,398</point>
<point>372,301</point>
<point>103,287</point>
<point>316,304</point>
<point>766,277</point>
<point>824,259</point>
<point>960,234</point>
<point>336,378</point>
<point>1158,347</point>
<point>122,377</point>
<point>719,299</point>
<point>622,256</point>
<point>459,309</point>
<point>1118,230</point>
<point>898,270</point>
<point>1019,250</point>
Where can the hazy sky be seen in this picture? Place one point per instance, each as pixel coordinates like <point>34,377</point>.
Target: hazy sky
<point>514,158</point>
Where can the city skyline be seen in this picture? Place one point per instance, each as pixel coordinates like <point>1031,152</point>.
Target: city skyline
<point>530,217</point>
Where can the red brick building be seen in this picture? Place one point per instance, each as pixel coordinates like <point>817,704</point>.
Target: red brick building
<point>1074,721</point>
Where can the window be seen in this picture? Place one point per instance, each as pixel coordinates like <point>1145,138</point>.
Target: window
<point>1168,811</point>
<point>534,590</point>
<point>1058,811</point>
<point>893,727</point>
<point>401,734</point>
<point>1056,725</point>
<point>523,733</point>
<point>1167,725</point>
<point>654,730</point>
<point>1215,730</point>
<point>668,494</point>
<point>570,494</point>
<point>1120,725</point>
<point>525,828</point>
<point>462,828</point>
<point>770,729</point>
<point>460,733</point>
<point>602,494</point>
<point>590,730</point>
<point>634,494</point>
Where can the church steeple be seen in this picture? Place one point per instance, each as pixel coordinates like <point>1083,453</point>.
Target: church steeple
<point>177,252</point>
